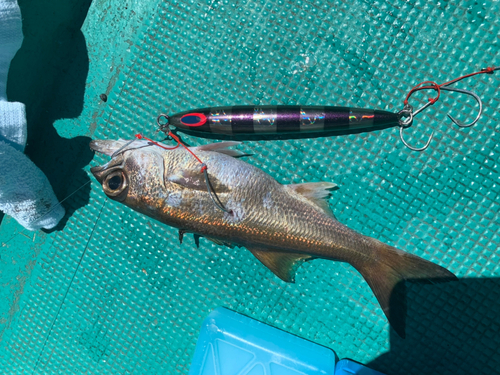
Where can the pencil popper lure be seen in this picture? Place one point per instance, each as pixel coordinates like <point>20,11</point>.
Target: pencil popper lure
<point>250,122</point>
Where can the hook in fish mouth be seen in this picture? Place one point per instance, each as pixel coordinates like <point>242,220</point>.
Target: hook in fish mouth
<point>101,171</point>
<point>95,170</point>
<point>106,147</point>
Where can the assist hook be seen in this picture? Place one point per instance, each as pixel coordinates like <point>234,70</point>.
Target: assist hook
<point>163,125</point>
<point>407,113</point>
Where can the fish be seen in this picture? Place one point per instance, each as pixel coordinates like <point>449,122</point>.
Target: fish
<point>282,225</point>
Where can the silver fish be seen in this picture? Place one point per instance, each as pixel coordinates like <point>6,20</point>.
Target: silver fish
<point>282,225</point>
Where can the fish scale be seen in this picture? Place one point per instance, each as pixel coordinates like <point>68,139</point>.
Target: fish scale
<point>282,225</point>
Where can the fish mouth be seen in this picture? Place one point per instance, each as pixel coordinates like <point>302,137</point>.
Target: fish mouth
<point>97,169</point>
<point>99,172</point>
<point>106,147</point>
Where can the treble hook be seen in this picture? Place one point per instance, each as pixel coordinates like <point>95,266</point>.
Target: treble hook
<point>409,113</point>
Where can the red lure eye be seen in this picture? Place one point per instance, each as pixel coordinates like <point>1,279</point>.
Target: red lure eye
<point>194,119</point>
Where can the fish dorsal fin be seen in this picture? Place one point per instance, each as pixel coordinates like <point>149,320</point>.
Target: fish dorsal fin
<point>282,264</point>
<point>195,180</point>
<point>221,147</point>
<point>316,192</point>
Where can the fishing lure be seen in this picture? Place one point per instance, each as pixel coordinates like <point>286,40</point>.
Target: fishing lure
<point>246,122</point>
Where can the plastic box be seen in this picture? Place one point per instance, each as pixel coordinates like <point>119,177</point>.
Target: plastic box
<point>233,344</point>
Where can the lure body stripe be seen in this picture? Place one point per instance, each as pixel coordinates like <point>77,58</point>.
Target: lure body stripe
<point>282,119</point>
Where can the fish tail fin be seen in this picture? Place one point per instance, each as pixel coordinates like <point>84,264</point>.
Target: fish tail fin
<point>387,272</point>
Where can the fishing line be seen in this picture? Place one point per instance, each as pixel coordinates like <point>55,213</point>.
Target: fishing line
<point>204,169</point>
<point>69,286</point>
<point>48,212</point>
<point>436,87</point>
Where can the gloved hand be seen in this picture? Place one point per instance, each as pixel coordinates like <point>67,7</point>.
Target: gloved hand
<point>25,192</point>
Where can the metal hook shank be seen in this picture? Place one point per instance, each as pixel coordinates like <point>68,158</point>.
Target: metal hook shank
<point>415,148</point>
<point>212,193</point>
<point>163,126</point>
<point>466,92</point>
<point>407,111</point>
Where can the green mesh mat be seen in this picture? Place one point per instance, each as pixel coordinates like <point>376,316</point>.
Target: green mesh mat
<point>114,292</point>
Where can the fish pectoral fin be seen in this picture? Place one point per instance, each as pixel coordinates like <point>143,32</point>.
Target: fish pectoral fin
<point>317,193</point>
<point>282,264</point>
<point>221,147</point>
<point>195,180</point>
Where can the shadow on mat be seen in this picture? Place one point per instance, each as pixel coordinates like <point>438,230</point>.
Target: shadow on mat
<point>48,75</point>
<point>451,328</point>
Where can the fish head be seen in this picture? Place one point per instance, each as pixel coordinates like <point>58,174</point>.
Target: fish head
<point>134,173</point>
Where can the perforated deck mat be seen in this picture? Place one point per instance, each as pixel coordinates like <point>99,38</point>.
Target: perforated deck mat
<point>114,292</point>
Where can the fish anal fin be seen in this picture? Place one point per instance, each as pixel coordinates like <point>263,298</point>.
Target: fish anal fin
<point>317,193</point>
<point>282,264</point>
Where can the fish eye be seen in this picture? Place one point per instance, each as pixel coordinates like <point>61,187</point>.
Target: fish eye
<point>115,182</point>
<point>115,185</point>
